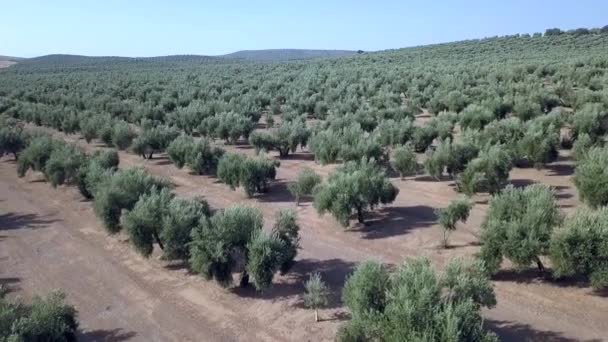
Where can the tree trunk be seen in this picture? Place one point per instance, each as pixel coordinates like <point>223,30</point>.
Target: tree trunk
<point>244,279</point>
<point>401,175</point>
<point>316,315</point>
<point>157,239</point>
<point>16,156</point>
<point>539,264</point>
<point>360,215</point>
<point>297,200</point>
<point>150,155</point>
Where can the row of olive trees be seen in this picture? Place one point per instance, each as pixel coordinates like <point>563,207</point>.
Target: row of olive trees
<point>151,215</point>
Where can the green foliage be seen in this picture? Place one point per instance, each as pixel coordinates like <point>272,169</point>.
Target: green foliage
<point>221,239</point>
<point>183,216</point>
<point>540,142</point>
<point>404,160</point>
<point>416,304</point>
<point>64,164</point>
<point>179,150</point>
<point>518,226</point>
<point>316,293</point>
<point>253,174</point>
<point>95,171</point>
<point>12,138</point>
<point>204,158</point>
<point>475,117</point>
<point>579,246</point>
<point>36,154</point>
<point>487,172</point>
<point>457,210</point>
<point>153,140</point>
<point>591,119</point>
<point>591,177</point>
<point>46,319</point>
<point>265,255</point>
<point>229,126</point>
<point>287,231</point>
<point>356,186</point>
<point>580,147</point>
<point>122,135</point>
<point>450,157</point>
<point>305,182</point>
<point>144,223</point>
<point>121,191</point>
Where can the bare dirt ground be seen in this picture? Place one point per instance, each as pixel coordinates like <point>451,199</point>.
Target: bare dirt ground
<point>51,239</point>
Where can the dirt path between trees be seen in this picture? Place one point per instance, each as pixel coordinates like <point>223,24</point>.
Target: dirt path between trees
<point>51,239</point>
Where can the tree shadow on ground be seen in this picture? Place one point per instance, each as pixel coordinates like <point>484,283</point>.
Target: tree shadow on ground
<point>277,192</point>
<point>521,183</point>
<point>12,221</point>
<point>161,160</point>
<point>9,284</point>
<point>532,275</point>
<point>333,272</point>
<point>303,156</point>
<point>106,335</point>
<point>516,332</point>
<point>393,221</point>
<point>563,166</point>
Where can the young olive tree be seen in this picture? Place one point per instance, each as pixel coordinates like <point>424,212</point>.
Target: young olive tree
<point>179,149</point>
<point>306,181</point>
<point>354,187</point>
<point>404,160</point>
<point>457,210</point>
<point>591,177</point>
<point>316,293</point>
<point>518,226</point>
<point>579,246</point>
<point>204,158</point>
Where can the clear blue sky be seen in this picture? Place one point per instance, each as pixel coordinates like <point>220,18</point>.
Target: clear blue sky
<point>161,27</point>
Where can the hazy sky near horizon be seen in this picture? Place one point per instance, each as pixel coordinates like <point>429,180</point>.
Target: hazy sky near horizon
<point>31,28</point>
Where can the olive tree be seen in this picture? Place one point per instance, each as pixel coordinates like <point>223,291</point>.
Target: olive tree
<point>253,174</point>
<point>179,149</point>
<point>232,240</point>
<point>63,165</point>
<point>99,166</point>
<point>306,181</point>
<point>316,293</point>
<point>36,154</point>
<point>153,140</point>
<point>203,158</point>
<point>457,210</point>
<point>121,191</point>
<point>591,177</point>
<point>518,226</point>
<point>579,246</point>
<point>12,139</point>
<point>415,303</point>
<point>48,318</point>
<point>356,186</point>
<point>404,160</point>
<point>489,171</point>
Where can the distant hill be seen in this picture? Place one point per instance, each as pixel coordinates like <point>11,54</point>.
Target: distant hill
<point>6,61</point>
<point>275,55</point>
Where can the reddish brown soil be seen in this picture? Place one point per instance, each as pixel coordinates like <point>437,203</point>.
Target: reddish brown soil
<point>51,239</point>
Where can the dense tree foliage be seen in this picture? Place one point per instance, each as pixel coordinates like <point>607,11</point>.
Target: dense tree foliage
<point>417,304</point>
<point>518,226</point>
<point>253,174</point>
<point>591,177</point>
<point>579,246</point>
<point>232,240</point>
<point>404,160</point>
<point>121,191</point>
<point>305,183</point>
<point>354,187</point>
<point>45,319</point>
